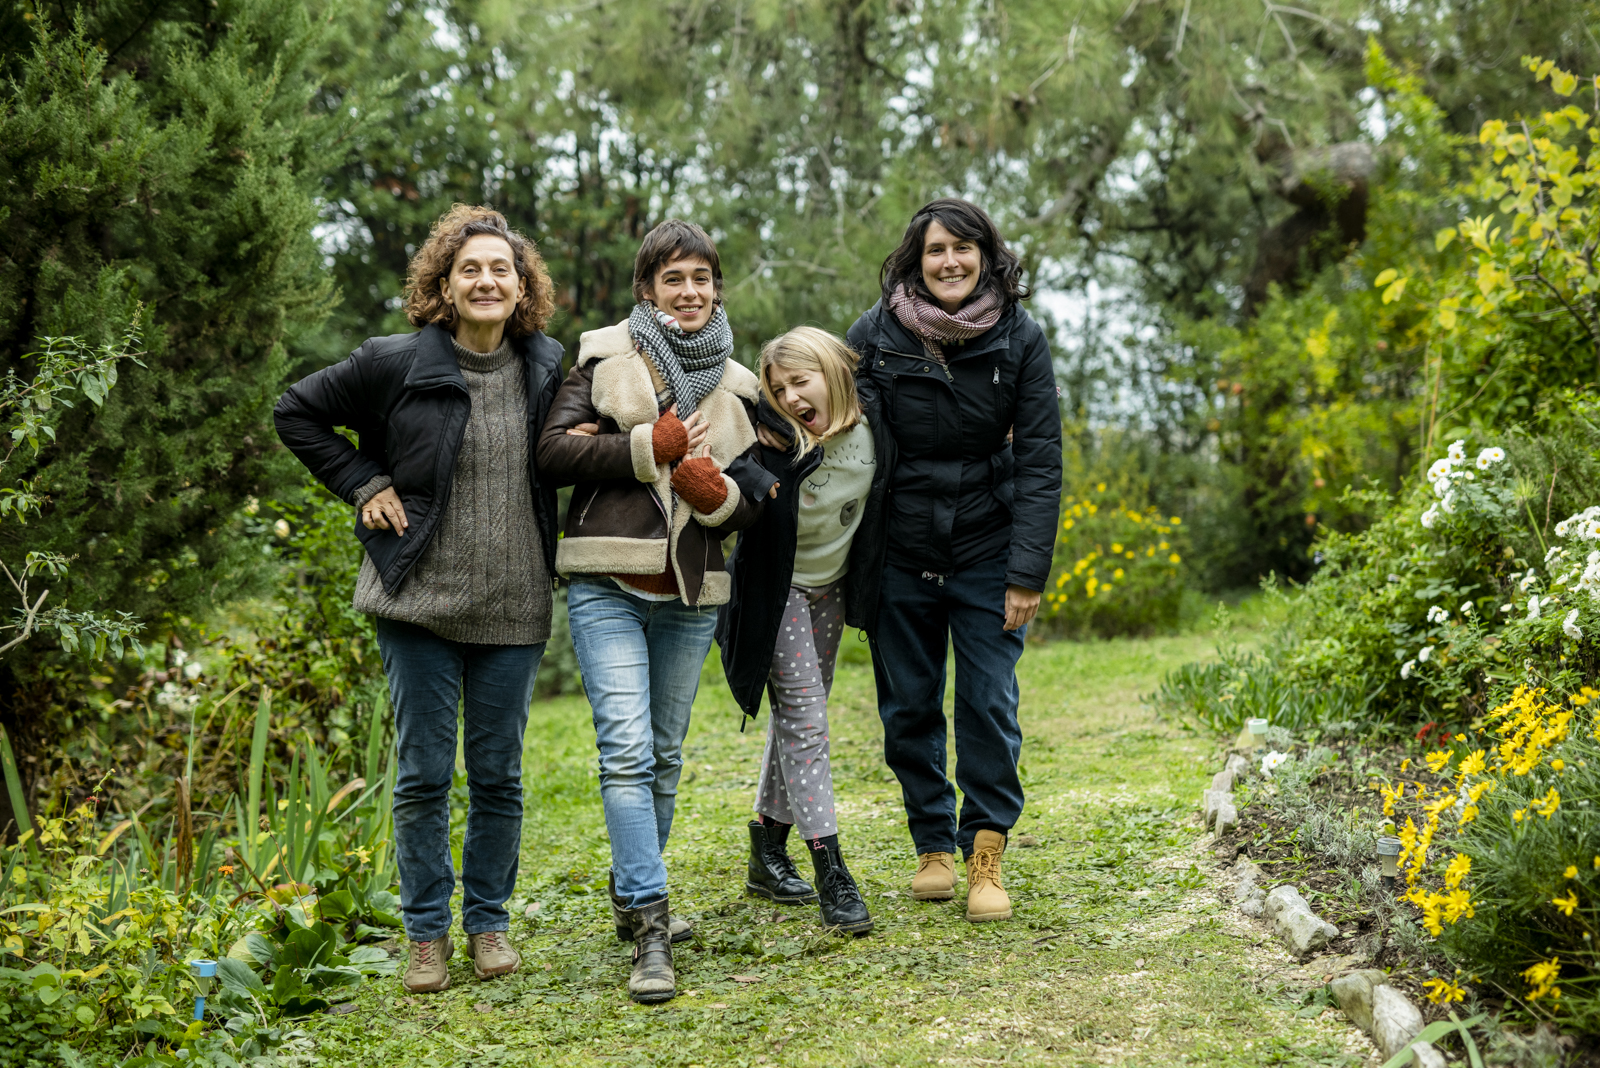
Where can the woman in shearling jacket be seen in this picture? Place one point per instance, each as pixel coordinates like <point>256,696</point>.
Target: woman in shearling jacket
<point>654,426</point>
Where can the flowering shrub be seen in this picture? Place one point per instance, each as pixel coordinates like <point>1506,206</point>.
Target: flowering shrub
<point>1505,862</point>
<point>1117,569</point>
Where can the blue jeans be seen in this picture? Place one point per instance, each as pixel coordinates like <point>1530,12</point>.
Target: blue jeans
<point>641,667</point>
<point>429,678</point>
<point>917,616</point>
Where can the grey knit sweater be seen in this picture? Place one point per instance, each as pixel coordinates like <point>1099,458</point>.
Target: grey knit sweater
<point>482,578</point>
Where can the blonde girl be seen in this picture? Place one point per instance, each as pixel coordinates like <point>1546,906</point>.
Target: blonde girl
<point>780,632</point>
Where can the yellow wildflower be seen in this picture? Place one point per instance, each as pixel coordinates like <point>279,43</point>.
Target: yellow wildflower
<point>1405,765</point>
<point>1437,761</point>
<point>1474,763</point>
<point>1391,794</point>
<point>1543,977</point>
<point>1558,764</point>
<point>1174,559</point>
<point>1568,904</point>
<point>1547,805</point>
<point>1460,866</point>
<point>1571,872</point>
<point>1457,903</point>
<point>1443,992</point>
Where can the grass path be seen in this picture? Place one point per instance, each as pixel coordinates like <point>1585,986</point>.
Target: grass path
<point>1120,952</point>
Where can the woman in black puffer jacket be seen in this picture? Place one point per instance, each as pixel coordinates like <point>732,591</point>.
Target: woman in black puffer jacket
<point>957,383</point>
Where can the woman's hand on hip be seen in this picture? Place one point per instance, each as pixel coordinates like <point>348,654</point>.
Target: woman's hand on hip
<point>385,512</point>
<point>1021,606</point>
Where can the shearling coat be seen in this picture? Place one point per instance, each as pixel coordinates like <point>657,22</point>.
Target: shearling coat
<point>624,518</point>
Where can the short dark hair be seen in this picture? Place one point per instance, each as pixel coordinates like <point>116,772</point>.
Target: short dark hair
<point>672,240</point>
<point>1002,271</point>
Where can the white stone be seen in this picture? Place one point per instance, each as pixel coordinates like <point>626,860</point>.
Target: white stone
<point>1245,874</point>
<point>1227,816</point>
<point>1236,764</point>
<point>1395,1022</point>
<point>1223,781</point>
<point>1208,806</point>
<point>1353,994</point>
<point>1300,930</point>
<point>1254,905</point>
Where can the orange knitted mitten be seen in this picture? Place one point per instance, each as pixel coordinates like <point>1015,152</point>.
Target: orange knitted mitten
<point>668,439</point>
<point>699,481</point>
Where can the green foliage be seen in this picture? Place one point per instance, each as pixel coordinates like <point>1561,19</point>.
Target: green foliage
<point>1116,569</point>
<point>96,927</point>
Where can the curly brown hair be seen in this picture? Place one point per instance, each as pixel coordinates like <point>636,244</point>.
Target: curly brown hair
<point>424,300</point>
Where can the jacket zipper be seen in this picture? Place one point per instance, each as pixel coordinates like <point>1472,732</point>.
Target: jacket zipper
<point>585,513</point>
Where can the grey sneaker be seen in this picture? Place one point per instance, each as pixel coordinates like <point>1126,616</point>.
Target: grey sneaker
<point>427,970</point>
<point>492,954</point>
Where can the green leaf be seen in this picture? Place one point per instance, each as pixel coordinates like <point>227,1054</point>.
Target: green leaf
<point>1442,239</point>
<point>239,977</point>
<point>1385,277</point>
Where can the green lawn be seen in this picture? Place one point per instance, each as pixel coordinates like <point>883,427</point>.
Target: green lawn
<point>1120,952</point>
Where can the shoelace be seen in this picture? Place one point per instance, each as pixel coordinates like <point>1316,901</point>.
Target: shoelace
<point>841,887</point>
<point>491,942</point>
<point>924,862</point>
<point>779,861</point>
<point>425,952</point>
<point>984,864</point>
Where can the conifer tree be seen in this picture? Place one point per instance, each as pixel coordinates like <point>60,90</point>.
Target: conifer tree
<point>164,154</point>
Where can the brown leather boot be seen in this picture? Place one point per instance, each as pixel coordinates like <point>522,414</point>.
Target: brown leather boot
<point>935,879</point>
<point>986,898</point>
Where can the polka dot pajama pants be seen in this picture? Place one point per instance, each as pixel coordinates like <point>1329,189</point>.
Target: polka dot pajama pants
<point>796,781</point>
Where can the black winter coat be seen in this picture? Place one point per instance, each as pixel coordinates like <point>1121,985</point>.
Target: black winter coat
<point>762,565</point>
<point>405,398</point>
<point>956,493</point>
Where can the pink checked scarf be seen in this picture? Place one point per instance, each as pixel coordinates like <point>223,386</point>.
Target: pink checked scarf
<point>935,327</point>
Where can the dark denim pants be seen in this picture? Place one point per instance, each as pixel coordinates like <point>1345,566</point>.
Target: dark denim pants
<point>430,678</point>
<point>917,617</point>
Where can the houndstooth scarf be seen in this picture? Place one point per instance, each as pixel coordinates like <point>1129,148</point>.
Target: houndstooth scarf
<point>690,364</point>
<point>935,327</point>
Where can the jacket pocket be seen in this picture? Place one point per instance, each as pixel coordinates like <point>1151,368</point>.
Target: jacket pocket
<point>1001,482</point>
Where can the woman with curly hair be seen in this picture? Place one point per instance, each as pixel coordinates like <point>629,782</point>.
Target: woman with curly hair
<point>459,531</point>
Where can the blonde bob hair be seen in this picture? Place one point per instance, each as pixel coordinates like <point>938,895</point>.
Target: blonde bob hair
<point>807,348</point>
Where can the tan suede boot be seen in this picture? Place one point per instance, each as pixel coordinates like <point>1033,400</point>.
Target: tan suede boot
<point>428,969</point>
<point>936,877</point>
<point>986,898</point>
<point>492,954</point>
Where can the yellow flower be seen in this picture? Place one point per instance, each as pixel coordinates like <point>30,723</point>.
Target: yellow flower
<point>1458,903</point>
<point>1568,904</point>
<point>1174,559</point>
<point>1543,977</point>
<point>1176,521</point>
<point>1460,866</point>
<point>1391,794</point>
<point>1547,805</point>
<point>1571,872</point>
<point>1438,760</point>
<point>1100,487</point>
<point>1443,992</point>
<point>1116,546</point>
<point>1558,764</point>
<point>1117,574</point>
<point>1405,765</point>
<point>1474,763</point>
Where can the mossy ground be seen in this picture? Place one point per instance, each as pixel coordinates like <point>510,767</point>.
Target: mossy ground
<point>1120,951</point>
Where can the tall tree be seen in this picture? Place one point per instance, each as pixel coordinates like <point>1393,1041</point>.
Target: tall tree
<point>167,154</point>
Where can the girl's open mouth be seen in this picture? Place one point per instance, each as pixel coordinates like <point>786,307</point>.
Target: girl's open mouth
<point>806,415</point>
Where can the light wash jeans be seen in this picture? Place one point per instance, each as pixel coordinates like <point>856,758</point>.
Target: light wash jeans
<point>430,678</point>
<point>641,664</point>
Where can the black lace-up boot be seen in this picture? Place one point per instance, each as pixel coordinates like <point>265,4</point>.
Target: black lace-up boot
<point>842,906</point>
<point>772,874</point>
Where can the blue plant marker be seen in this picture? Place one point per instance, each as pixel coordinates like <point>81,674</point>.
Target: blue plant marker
<point>205,973</point>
